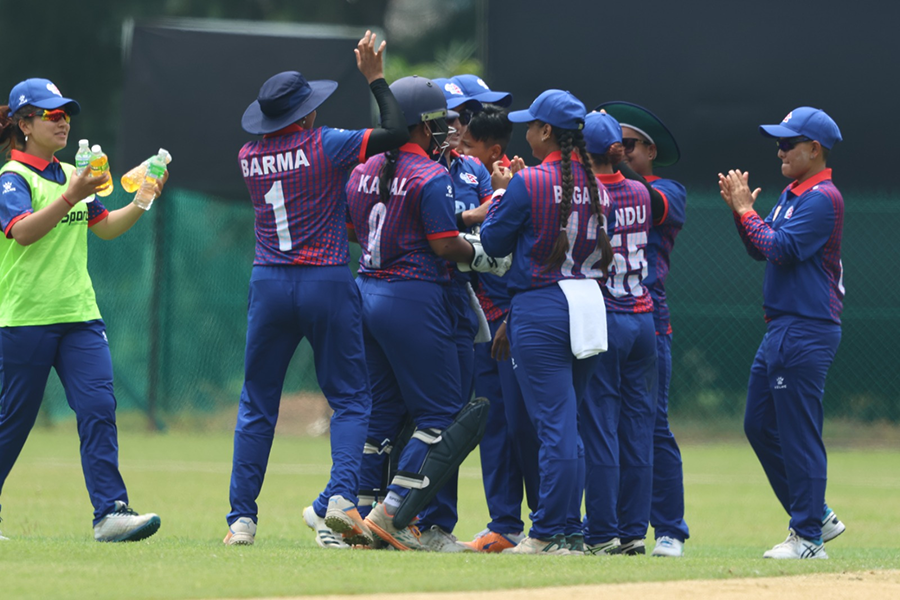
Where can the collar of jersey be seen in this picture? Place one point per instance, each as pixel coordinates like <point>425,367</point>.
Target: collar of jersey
<point>292,128</point>
<point>413,149</point>
<point>652,178</point>
<point>557,156</point>
<point>798,189</point>
<point>31,160</point>
<point>609,179</point>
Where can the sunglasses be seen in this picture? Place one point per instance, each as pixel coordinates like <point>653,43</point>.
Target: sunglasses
<point>51,115</point>
<point>787,144</point>
<point>629,143</point>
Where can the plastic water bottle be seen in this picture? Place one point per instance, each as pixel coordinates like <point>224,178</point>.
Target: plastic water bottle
<point>132,180</point>
<point>82,157</point>
<point>100,165</point>
<point>156,168</point>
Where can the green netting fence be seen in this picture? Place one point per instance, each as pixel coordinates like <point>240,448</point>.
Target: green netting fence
<point>173,292</point>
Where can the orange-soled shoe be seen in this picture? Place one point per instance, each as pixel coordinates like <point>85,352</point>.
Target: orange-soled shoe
<point>491,541</point>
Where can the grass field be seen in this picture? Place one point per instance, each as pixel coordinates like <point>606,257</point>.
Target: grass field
<point>184,478</point>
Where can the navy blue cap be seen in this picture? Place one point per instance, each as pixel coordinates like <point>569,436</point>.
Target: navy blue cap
<point>601,131</point>
<point>42,94</point>
<point>283,99</point>
<point>807,121</point>
<point>556,107</point>
<point>455,96</point>
<point>420,99</point>
<point>475,87</point>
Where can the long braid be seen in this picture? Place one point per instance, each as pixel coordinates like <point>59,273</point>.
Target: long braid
<point>602,238</point>
<point>561,246</point>
<point>386,174</point>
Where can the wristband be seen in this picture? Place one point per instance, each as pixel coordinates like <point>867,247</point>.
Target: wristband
<point>66,200</point>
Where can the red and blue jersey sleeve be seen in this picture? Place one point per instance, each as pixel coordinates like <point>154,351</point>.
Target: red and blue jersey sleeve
<point>660,243</point>
<point>96,211</point>
<point>15,200</point>
<point>345,148</point>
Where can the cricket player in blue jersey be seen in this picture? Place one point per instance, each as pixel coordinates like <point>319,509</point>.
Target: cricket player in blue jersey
<point>803,294</point>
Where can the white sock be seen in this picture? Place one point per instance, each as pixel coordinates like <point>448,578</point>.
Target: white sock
<point>393,500</point>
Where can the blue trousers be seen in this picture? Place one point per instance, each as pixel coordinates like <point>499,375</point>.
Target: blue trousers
<point>553,383</point>
<point>442,510</point>
<point>783,420</point>
<point>287,304</point>
<point>617,428</point>
<point>667,508</point>
<point>412,360</point>
<point>509,448</point>
<point>80,354</point>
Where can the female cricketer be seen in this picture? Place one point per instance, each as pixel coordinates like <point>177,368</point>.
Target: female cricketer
<point>803,294</point>
<point>48,311</point>
<point>552,218</point>
<point>400,207</point>
<point>301,287</point>
<point>617,418</point>
<point>649,144</point>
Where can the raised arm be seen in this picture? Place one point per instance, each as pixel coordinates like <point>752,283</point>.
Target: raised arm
<point>393,132</point>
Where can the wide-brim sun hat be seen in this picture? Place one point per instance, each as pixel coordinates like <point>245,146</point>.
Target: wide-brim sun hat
<point>647,124</point>
<point>41,93</point>
<point>556,107</point>
<point>283,99</point>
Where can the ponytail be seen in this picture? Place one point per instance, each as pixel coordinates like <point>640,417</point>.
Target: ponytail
<point>11,136</point>
<point>603,243</point>
<point>386,174</point>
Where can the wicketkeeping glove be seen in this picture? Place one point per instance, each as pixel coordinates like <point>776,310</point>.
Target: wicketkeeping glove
<point>483,263</point>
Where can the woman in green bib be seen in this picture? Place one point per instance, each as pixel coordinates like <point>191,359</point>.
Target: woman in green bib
<point>48,312</point>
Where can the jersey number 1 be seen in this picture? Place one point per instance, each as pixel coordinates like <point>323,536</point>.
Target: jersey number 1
<point>275,197</point>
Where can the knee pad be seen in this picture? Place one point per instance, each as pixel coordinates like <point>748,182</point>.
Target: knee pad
<point>447,450</point>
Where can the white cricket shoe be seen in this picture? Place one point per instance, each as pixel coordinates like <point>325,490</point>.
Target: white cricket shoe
<point>241,533</point>
<point>668,546</point>
<point>530,545</point>
<point>438,540</point>
<point>796,547</point>
<point>325,537</point>
<point>125,525</point>
<point>632,548</point>
<point>343,517</point>
<point>610,547</point>
<point>831,526</point>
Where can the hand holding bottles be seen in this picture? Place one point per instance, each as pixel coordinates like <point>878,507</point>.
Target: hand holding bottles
<point>154,179</point>
<point>84,185</point>
<point>100,167</point>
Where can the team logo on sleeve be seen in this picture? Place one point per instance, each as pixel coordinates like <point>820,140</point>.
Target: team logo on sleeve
<point>8,187</point>
<point>789,212</point>
<point>469,178</point>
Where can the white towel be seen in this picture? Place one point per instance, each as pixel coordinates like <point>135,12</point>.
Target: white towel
<point>587,316</point>
<point>484,330</point>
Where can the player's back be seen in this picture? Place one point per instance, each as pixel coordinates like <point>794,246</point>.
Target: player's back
<point>296,180</point>
<point>394,235</point>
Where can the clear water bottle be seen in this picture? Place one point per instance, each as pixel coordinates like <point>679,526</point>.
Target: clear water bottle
<point>83,157</point>
<point>100,165</point>
<point>132,180</point>
<point>156,168</point>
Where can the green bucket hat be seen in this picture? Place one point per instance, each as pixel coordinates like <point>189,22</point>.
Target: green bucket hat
<point>642,120</point>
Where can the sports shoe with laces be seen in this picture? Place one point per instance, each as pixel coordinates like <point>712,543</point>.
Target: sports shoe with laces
<point>575,542</point>
<point>531,545</point>
<point>381,523</point>
<point>343,517</point>
<point>797,547</point>
<point>241,533</point>
<point>325,537</point>
<point>437,540</point>
<point>610,547</point>
<point>831,526</point>
<point>668,546</point>
<point>491,541</point>
<point>631,548</point>
<point>124,525</point>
